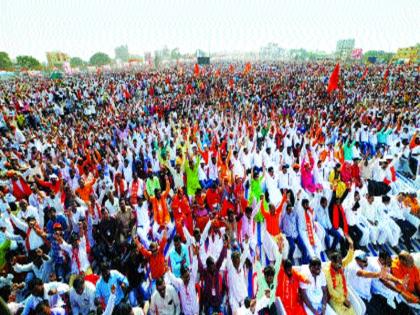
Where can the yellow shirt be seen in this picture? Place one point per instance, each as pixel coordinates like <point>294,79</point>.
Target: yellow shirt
<point>337,293</point>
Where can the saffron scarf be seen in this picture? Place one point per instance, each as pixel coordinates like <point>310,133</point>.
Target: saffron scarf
<point>309,227</point>
<point>334,279</point>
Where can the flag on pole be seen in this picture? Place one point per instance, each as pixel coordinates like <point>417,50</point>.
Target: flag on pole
<point>334,78</point>
<point>196,70</point>
<point>365,74</point>
<point>386,74</point>
<point>247,68</point>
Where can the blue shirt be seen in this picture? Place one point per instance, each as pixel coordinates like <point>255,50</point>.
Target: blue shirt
<point>178,260</point>
<point>289,224</point>
<point>103,289</point>
<point>59,219</point>
<point>322,216</point>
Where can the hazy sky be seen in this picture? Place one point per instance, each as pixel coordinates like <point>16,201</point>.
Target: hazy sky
<point>83,27</point>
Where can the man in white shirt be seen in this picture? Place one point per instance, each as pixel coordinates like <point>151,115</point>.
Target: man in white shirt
<point>314,293</point>
<point>271,183</point>
<point>164,300</point>
<point>82,296</point>
<point>50,292</point>
<point>185,286</point>
<point>236,277</point>
<point>360,275</point>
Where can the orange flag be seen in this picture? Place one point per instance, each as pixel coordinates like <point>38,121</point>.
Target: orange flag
<point>334,78</point>
<point>217,73</point>
<point>196,70</point>
<point>247,68</point>
<point>231,83</point>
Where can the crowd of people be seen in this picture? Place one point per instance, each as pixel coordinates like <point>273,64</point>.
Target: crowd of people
<point>231,188</point>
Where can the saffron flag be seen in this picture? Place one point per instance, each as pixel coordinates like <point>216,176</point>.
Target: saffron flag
<point>247,68</point>
<point>364,74</point>
<point>217,73</point>
<point>196,70</point>
<point>334,78</point>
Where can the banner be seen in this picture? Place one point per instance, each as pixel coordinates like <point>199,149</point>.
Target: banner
<point>357,53</point>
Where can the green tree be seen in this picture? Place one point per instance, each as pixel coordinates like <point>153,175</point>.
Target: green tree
<point>5,62</point>
<point>100,59</point>
<point>380,55</point>
<point>77,62</point>
<point>28,62</point>
<point>121,52</point>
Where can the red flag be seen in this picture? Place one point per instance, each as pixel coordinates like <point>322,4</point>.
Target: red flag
<point>231,83</point>
<point>231,68</point>
<point>217,73</point>
<point>364,74</point>
<point>334,78</point>
<point>386,74</point>
<point>196,69</point>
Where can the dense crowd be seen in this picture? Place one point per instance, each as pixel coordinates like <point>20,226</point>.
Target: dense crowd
<point>231,189</point>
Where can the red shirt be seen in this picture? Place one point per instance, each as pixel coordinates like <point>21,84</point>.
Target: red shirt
<point>157,262</point>
<point>288,291</point>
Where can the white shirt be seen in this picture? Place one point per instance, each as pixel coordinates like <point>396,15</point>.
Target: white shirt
<point>238,169</point>
<point>187,293</point>
<point>35,241</point>
<point>246,160</point>
<point>314,289</point>
<point>236,278</point>
<point>54,300</point>
<point>112,208</point>
<point>83,303</point>
<point>142,214</point>
<point>257,159</point>
<point>168,305</point>
<point>361,285</point>
<point>82,255</point>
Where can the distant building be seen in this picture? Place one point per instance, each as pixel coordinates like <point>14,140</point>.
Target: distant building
<point>57,58</point>
<point>344,48</point>
<point>271,52</point>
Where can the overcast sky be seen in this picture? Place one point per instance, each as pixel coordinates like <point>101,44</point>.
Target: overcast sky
<point>83,27</point>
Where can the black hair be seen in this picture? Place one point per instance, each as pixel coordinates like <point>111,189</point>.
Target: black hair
<point>78,282</point>
<point>160,281</point>
<point>385,198</point>
<point>287,264</point>
<point>269,271</point>
<point>383,254</point>
<point>335,256</point>
<point>184,270</point>
<point>122,309</point>
<point>177,238</point>
<point>314,262</point>
<point>34,282</point>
